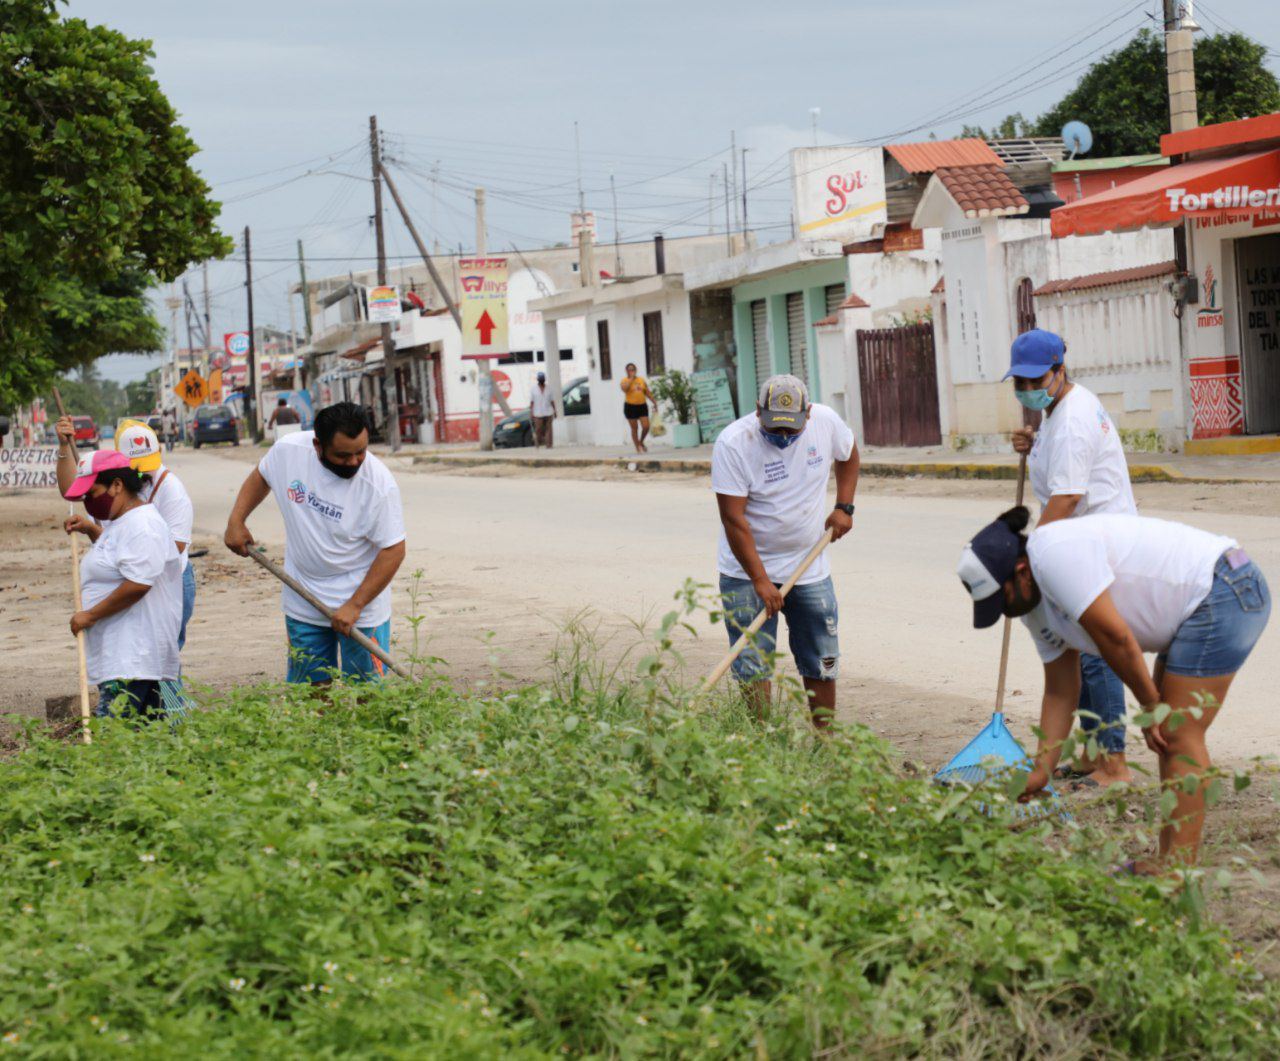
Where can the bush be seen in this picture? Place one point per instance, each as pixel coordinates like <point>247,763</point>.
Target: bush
<point>414,872</point>
<point>673,390</point>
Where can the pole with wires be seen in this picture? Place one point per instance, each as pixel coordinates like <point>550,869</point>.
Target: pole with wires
<point>728,232</point>
<point>617,233</point>
<point>251,409</point>
<point>744,198</point>
<point>390,398</point>
<point>305,291</point>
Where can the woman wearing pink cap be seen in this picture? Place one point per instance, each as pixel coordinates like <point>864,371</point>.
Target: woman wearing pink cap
<point>131,578</point>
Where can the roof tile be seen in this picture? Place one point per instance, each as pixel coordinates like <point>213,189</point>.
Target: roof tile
<point>937,154</point>
<point>1113,276</point>
<point>983,191</point>
<point>855,301</point>
<point>940,287</point>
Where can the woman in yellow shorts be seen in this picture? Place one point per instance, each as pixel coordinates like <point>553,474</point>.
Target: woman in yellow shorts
<point>636,407</point>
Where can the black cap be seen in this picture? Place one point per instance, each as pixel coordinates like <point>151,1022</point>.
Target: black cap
<point>986,564</point>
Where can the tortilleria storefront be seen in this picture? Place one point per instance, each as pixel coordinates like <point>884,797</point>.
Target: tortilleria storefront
<point>1224,186</point>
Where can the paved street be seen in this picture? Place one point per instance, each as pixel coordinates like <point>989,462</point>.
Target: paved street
<point>517,556</point>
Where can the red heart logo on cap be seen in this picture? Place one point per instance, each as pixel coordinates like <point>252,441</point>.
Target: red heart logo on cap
<point>139,441</point>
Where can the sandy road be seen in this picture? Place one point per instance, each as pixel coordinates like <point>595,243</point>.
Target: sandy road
<point>508,559</point>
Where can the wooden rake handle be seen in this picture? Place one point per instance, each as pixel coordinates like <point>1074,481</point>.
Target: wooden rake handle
<point>745,637</point>
<point>360,639</point>
<point>1008,623</point>
<point>75,585</point>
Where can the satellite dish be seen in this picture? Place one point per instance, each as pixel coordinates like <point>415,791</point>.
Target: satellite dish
<point>1077,138</point>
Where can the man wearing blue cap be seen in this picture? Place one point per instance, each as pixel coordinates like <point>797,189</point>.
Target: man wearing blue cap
<point>1077,468</point>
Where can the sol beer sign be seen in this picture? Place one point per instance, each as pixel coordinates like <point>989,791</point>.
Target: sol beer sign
<point>839,192</point>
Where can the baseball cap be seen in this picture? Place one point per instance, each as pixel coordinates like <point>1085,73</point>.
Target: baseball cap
<point>986,564</point>
<point>139,443</point>
<point>542,377</point>
<point>783,401</point>
<point>1035,352</point>
<point>87,471</point>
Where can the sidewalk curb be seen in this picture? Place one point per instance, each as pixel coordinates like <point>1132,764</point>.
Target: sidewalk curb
<point>1138,473</point>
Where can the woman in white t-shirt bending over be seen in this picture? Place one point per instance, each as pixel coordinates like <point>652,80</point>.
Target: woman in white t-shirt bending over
<point>1119,586</point>
<point>131,579</point>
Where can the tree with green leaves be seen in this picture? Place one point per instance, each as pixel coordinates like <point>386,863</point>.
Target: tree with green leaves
<point>98,199</point>
<point>1124,97</point>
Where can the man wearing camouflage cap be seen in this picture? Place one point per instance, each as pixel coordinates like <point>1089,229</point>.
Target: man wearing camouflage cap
<point>770,471</point>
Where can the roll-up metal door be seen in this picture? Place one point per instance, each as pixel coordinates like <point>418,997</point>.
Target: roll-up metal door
<point>796,336</point>
<point>760,341</point>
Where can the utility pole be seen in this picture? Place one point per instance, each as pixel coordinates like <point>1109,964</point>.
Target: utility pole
<point>485,379</point>
<point>744,198</point>
<point>251,411</point>
<point>293,341</point>
<point>728,232</point>
<point>617,234</point>
<point>733,174</point>
<point>1180,65</point>
<point>577,151</point>
<point>186,314</point>
<point>711,204</point>
<point>208,320</point>
<point>305,290</point>
<point>388,344</point>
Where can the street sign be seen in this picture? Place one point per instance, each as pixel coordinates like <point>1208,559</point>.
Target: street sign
<point>215,387</point>
<point>484,307</point>
<point>383,301</point>
<point>236,344</point>
<point>503,384</point>
<point>839,192</point>
<point>192,388</point>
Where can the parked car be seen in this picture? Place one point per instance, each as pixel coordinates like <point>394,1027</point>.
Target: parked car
<point>215,423</point>
<point>516,430</point>
<point>152,420</point>
<point>86,432</point>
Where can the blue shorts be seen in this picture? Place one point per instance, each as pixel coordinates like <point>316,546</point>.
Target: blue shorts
<point>1217,637</point>
<point>812,622</point>
<point>313,653</point>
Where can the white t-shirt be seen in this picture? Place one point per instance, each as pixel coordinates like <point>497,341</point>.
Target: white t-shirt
<point>141,642</point>
<point>174,505</point>
<point>1078,451</point>
<point>786,490</point>
<point>334,527</point>
<point>1158,573</point>
<point>540,402</point>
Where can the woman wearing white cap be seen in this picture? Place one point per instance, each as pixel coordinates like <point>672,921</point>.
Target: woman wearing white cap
<point>162,488</point>
<point>1119,586</point>
<point>131,587</point>
<point>1077,468</point>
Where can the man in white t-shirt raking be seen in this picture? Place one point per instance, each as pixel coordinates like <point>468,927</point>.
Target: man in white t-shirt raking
<point>1077,467</point>
<point>344,531</point>
<point>542,411</point>
<point>769,471</point>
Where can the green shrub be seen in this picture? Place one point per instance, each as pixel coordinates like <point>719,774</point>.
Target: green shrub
<point>673,390</point>
<point>415,872</point>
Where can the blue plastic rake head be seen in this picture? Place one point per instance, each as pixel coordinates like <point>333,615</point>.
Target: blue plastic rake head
<point>990,757</point>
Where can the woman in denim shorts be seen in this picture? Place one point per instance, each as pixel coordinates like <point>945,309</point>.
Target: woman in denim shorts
<point>1119,586</point>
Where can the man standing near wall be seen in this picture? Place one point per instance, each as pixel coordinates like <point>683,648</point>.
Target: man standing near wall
<point>542,411</point>
<point>345,540</point>
<point>769,471</point>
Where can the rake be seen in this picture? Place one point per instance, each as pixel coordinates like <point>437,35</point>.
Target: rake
<point>995,753</point>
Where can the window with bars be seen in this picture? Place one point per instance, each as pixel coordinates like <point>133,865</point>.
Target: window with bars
<point>835,295</point>
<point>603,351</point>
<point>654,359</point>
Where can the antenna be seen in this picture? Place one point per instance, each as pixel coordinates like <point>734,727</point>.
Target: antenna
<point>813,122</point>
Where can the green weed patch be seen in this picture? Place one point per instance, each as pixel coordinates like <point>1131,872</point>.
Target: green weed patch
<point>421,872</point>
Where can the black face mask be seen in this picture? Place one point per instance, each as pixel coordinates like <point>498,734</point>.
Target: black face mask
<point>342,471</point>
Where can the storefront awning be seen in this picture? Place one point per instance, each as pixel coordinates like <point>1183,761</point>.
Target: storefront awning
<point>1242,184</point>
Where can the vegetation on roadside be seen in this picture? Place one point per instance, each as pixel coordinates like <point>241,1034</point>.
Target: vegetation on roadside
<point>674,392</point>
<point>585,868</point>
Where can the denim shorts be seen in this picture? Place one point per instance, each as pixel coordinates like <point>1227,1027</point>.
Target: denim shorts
<point>1218,636</point>
<point>313,653</point>
<point>812,621</point>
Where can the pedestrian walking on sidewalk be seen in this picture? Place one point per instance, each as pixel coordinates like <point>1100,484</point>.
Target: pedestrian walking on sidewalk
<point>344,530</point>
<point>1116,587</point>
<point>542,411</point>
<point>1077,468</point>
<point>169,424</point>
<point>635,406</point>
<point>769,471</point>
<point>131,587</point>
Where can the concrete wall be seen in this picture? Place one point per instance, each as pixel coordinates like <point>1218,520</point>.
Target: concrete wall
<point>897,285</point>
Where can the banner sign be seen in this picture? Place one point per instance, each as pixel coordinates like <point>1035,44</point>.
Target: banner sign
<point>713,398</point>
<point>21,469</point>
<point>839,192</point>
<point>236,344</point>
<point>484,307</point>
<point>215,387</point>
<point>383,303</point>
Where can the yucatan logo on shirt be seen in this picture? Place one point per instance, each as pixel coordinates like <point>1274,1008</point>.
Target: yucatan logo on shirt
<point>300,495</point>
<point>1104,421</point>
<point>297,492</point>
<point>814,458</point>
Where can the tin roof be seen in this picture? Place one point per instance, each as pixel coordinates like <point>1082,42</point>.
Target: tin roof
<point>983,191</point>
<point>1113,276</point>
<point>936,154</point>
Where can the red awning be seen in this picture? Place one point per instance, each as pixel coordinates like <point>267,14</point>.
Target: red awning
<point>1243,184</point>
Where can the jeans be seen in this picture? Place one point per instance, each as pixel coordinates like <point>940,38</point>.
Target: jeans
<point>313,653</point>
<point>141,699</point>
<point>188,602</point>
<point>1102,696</point>
<point>813,619</point>
<point>1216,638</point>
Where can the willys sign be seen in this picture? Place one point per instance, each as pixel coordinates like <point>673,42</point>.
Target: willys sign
<point>839,192</point>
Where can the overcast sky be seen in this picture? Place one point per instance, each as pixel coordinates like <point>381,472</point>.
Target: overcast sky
<point>278,95</point>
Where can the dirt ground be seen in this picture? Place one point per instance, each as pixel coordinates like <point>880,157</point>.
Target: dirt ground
<point>493,629</point>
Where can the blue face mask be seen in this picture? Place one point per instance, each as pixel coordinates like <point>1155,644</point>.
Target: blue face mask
<point>1037,400</point>
<point>779,440</point>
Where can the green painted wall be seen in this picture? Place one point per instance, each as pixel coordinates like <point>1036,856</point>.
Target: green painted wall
<point>811,281</point>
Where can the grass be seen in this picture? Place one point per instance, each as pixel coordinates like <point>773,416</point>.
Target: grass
<point>421,871</point>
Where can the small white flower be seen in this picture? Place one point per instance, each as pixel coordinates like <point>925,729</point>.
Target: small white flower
<point>862,854</point>
<point>11,1038</point>
<point>54,863</point>
<point>404,766</point>
<point>641,1019</point>
<point>313,786</point>
<point>148,857</point>
<point>308,987</point>
<point>477,891</point>
<point>27,908</point>
<point>330,967</point>
<point>829,848</point>
<point>325,989</point>
<point>268,850</point>
<point>480,771</point>
<point>1139,922</point>
<point>236,983</point>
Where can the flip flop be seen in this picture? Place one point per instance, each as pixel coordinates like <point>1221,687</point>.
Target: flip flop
<point>1083,784</point>
<point>1069,773</point>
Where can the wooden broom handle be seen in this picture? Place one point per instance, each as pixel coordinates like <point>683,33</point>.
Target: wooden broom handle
<point>1008,623</point>
<point>75,585</point>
